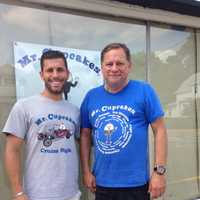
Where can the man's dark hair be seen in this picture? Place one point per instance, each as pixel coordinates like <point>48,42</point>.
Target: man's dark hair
<point>116,46</point>
<point>52,54</point>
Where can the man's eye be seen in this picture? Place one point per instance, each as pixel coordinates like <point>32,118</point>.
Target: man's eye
<point>60,70</point>
<point>120,64</point>
<point>109,64</point>
<point>49,70</point>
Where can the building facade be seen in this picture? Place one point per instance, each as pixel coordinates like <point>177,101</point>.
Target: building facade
<point>165,48</point>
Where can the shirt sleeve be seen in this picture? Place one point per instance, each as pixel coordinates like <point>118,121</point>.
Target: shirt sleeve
<point>85,122</point>
<point>153,107</point>
<point>16,123</point>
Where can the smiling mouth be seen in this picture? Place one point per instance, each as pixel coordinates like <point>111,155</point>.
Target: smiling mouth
<point>114,76</point>
<point>56,83</point>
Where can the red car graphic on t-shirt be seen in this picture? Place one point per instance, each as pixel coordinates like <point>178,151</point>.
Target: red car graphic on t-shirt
<point>54,134</point>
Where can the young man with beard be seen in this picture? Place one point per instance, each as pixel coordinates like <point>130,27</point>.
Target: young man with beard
<point>46,124</point>
<point>116,117</point>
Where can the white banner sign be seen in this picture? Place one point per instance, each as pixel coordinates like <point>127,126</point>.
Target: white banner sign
<point>84,66</point>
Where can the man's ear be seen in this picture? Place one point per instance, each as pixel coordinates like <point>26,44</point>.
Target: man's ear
<point>41,75</point>
<point>68,73</point>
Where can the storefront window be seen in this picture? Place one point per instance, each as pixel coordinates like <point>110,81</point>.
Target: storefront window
<point>172,72</point>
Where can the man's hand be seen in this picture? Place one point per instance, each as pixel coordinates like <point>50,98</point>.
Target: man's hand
<point>21,197</point>
<point>157,185</point>
<point>89,181</point>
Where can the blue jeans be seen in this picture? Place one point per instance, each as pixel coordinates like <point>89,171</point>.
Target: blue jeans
<point>132,193</point>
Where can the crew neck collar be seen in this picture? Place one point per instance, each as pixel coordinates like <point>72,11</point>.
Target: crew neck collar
<point>111,92</point>
<point>50,99</point>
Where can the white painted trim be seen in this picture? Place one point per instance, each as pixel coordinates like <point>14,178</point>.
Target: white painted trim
<point>118,9</point>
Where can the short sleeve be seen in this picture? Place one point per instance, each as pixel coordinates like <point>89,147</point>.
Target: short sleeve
<point>153,108</point>
<point>16,123</point>
<point>85,122</point>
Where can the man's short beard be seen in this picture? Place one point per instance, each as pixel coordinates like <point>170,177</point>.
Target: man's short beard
<point>57,92</point>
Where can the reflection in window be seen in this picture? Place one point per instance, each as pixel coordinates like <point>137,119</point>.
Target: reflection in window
<point>173,73</point>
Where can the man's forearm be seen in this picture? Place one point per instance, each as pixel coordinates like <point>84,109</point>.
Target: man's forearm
<point>13,168</point>
<point>160,138</point>
<point>85,149</point>
<point>161,147</point>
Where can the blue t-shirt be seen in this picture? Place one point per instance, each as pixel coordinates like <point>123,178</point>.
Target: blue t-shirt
<point>119,124</point>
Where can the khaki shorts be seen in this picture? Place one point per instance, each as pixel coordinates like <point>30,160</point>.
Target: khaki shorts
<point>76,197</point>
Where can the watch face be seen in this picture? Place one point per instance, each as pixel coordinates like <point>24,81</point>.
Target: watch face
<point>159,169</point>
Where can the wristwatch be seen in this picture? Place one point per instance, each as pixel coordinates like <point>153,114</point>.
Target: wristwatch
<point>159,169</point>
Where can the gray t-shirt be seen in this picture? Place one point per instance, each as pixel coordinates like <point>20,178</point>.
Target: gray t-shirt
<point>51,163</point>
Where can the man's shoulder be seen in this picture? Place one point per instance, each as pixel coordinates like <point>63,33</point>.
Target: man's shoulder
<point>93,94</point>
<point>71,106</point>
<point>96,90</point>
<point>140,87</point>
<point>139,82</point>
<point>27,100</point>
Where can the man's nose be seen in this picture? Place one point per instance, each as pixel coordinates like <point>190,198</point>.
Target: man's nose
<point>55,73</point>
<point>114,67</point>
